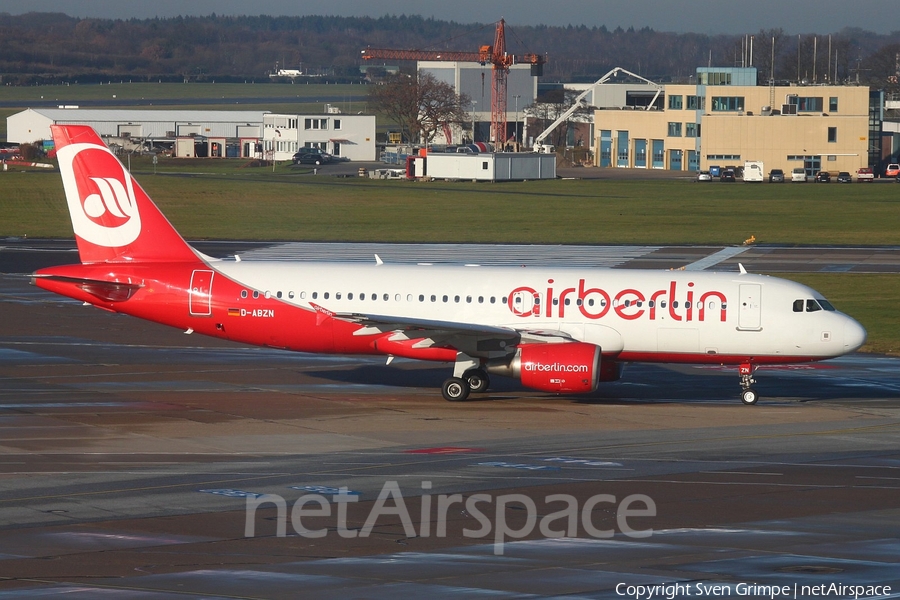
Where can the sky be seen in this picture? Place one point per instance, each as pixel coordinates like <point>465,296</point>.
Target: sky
<point>700,16</point>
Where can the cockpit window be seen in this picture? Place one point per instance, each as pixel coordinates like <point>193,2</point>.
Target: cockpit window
<point>812,305</point>
<point>826,305</point>
<point>798,305</point>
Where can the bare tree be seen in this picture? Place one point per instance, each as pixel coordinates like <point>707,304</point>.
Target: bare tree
<point>420,106</point>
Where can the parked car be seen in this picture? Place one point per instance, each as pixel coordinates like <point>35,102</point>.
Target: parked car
<point>727,175</point>
<point>798,175</point>
<point>776,176</point>
<point>704,176</point>
<point>823,177</point>
<point>892,170</point>
<point>844,177</point>
<point>865,174</point>
<point>311,156</point>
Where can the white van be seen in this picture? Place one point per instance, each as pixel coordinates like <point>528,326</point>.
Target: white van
<point>798,175</point>
<point>753,171</point>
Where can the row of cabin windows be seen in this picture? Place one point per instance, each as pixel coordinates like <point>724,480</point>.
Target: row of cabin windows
<point>469,299</point>
<point>813,305</point>
<point>373,297</point>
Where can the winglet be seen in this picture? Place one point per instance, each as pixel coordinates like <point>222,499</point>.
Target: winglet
<point>743,270</point>
<point>378,260</point>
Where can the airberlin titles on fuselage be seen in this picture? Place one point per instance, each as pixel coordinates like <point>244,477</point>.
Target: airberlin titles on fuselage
<point>629,304</point>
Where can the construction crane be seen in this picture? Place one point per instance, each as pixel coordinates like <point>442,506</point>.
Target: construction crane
<point>496,55</point>
<point>539,145</point>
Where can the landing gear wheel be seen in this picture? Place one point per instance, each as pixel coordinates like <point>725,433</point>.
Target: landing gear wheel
<point>749,396</point>
<point>478,380</point>
<point>455,390</point>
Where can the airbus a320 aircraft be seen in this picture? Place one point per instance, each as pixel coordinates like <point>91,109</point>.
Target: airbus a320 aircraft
<point>559,330</point>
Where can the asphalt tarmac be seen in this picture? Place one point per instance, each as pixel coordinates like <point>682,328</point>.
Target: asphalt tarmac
<point>130,452</point>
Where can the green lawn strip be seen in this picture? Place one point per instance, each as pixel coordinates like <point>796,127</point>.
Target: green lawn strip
<point>234,201</point>
<point>869,298</point>
<point>71,94</point>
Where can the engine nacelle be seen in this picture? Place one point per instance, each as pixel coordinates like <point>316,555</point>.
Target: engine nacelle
<point>569,368</point>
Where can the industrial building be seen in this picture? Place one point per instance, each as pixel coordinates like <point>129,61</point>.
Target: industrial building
<point>189,133</point>
<point>351,137</point>
<point>726,119</point>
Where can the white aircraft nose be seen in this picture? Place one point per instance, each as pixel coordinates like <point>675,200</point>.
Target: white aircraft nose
<point>854,335</point>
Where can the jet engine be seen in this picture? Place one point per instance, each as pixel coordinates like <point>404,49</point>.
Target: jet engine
<point>571,368</point>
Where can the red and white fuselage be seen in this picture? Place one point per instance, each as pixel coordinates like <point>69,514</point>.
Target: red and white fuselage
<point>557,329</point>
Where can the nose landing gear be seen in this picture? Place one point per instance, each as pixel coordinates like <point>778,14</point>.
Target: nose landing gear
<point>748,394</point>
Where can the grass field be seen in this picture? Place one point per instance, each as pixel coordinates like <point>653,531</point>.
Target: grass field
<point>232,202</point>
<point>72,94</point>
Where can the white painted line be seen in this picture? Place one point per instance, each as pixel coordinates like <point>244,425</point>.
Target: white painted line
<point>714,259</point>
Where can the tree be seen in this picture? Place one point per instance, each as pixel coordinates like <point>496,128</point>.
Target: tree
<point>420,106</point>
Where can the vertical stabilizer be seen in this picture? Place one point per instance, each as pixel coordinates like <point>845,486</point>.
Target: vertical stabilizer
<point>113,218</point>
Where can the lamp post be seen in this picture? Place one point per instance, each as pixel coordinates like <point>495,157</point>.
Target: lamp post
<point>474,102</point>
<point>516,127</point>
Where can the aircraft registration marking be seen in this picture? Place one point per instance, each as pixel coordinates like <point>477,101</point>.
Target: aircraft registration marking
<point>263,313</point>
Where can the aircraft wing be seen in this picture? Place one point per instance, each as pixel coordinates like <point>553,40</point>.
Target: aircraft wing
<point>475,340</point>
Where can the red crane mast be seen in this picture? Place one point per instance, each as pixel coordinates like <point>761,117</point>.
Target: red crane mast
<point>496,55</point>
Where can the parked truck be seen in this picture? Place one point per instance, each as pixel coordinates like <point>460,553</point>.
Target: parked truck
<point>753,171</point>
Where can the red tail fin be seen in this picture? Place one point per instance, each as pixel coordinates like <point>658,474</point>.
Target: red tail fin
<point>113,218</point>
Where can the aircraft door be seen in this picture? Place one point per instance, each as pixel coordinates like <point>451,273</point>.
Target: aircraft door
<point>750,307</point>
<point>200,299</point>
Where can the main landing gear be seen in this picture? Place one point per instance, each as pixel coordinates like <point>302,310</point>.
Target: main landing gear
<point>748,394</point>
<point>468,377</point>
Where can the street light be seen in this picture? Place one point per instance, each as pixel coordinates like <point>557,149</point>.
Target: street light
<point>516,127</point>
<point>474,102</point>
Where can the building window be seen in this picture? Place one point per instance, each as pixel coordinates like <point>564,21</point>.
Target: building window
<point>833,104</point>
<point>695,102</point>
<point>832,135</point>
<point>714,78</point>
<point>315,124</point>
<point>723,157</point>
<point>675,102</point>
<point>727,103</point>
<point>692,130</point>
<point>337,124</point>
<point>674,129</point>
<point>807,103</point>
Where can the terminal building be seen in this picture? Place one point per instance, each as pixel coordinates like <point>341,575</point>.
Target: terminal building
<point>725,119</point>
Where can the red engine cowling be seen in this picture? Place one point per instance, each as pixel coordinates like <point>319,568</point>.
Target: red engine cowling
<point>571,368</point>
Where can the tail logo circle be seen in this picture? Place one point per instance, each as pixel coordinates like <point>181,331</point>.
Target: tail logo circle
<point>100,194</point>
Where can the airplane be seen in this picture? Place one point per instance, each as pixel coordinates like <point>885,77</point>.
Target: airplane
<point>555,329</point>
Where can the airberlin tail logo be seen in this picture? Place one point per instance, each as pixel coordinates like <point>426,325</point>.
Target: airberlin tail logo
<point>100,194</point>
